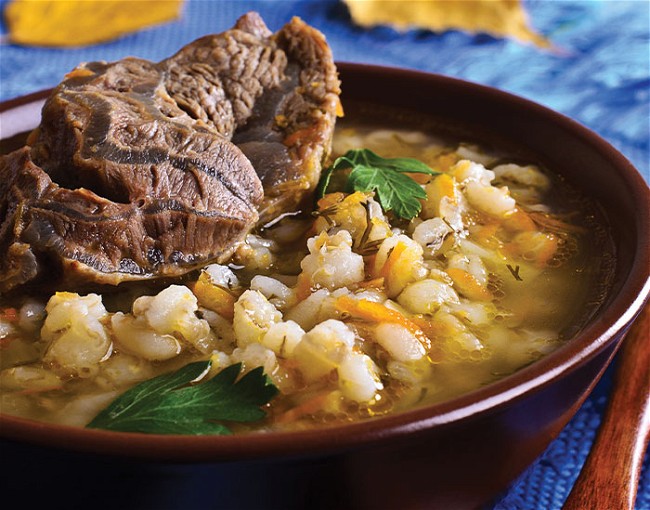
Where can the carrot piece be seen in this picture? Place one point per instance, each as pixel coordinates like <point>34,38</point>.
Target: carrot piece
<point>486,235</point>
<point>444,185</point>
<point>469,285</point>
<point>548,250</point>
<point>376,312</point>
<point>538,247</point>
<point>305,134</point>
<point>391,260</point>
<point>446,161</point>
<point>339,108</point>
<point>214,298</point>
<point>519,220</point>
<point>329,200</point>
<point>303,286</point>
<point>374,283</point>
<point>310,406</point>
<point>79,72</point>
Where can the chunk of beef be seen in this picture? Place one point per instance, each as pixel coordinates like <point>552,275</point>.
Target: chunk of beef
<point>142,170</point>
<point>279,101</point>
<point>93,239</point>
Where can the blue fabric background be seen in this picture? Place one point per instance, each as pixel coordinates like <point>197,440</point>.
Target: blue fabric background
<point>600,76</point>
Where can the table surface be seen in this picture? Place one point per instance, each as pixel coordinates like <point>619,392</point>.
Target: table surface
<point>599,76</point>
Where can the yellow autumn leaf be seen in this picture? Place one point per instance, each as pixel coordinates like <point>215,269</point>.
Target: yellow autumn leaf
<point>83,22</point>
<point>499,18</point>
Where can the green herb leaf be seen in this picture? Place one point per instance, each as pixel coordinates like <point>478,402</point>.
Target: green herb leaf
<point>171,404</point>
<point>371,172</point>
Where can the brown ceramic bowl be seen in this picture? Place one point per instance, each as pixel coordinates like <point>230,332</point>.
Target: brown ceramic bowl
<point>457,454</point>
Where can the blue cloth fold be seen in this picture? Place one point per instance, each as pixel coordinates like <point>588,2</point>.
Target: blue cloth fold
<point>599,76</point>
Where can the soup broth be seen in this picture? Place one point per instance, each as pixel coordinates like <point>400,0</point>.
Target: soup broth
<point>351,311</point>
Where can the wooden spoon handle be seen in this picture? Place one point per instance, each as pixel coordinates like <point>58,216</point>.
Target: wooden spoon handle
<point>611,472</point>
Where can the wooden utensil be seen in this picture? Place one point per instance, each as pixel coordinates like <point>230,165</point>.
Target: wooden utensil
<point>610,475</point>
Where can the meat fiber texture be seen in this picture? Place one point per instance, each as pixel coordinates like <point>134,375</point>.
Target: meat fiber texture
<point>143,170</point>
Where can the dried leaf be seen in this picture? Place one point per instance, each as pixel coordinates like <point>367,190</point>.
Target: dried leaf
<point>83,22</point>
<point>499,18</point>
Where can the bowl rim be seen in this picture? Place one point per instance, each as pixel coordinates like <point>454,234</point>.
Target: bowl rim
<point>600,332</point>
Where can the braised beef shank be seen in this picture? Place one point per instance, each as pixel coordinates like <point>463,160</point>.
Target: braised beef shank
<point>141,170</point>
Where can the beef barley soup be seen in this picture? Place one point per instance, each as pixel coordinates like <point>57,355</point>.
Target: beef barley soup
<point>428,267</point>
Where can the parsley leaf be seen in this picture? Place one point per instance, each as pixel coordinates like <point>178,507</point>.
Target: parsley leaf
<point>170,404</point>
<point>370,172</point>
